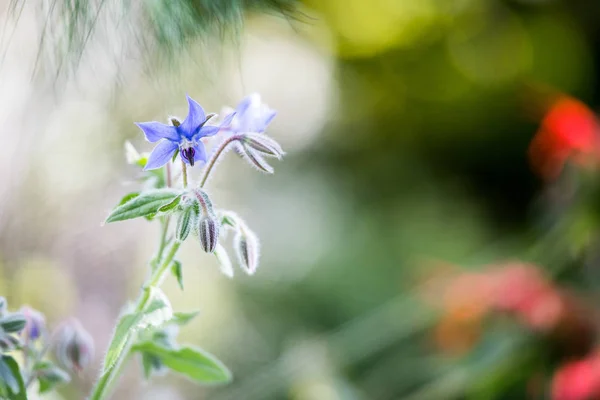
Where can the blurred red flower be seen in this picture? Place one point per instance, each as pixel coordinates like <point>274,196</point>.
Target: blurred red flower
<point>578,380</point>
<point>569,131</point>
<point>522,290</point>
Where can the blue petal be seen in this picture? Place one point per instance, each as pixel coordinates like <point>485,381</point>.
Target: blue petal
<point>244,105</point>
<point>261,125</point>
<point>269,117</point>
<point>161,154</point>
<point>206,131</point>
<point>199,153</point>
<point>227,120</point>
<point>196,117</point>
<point>155,131</point>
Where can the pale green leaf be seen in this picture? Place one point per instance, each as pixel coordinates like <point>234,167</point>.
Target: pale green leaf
<point>194,363</point>
<point>145,204</point>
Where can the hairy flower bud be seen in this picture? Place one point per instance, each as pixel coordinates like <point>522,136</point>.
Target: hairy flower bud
<point>35,325</point>
<point>248,250</point>
<point>255,159</point>
<point>208,232</point>
<point>185,222</point>
<point>263,144</point>
<point>74,346</point>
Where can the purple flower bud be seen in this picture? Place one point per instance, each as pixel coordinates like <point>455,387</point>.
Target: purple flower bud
<point>263,144</point>
<point>74,346</point>
<point>248,249</point>
<point>35,325</point>
<point>208,232</point>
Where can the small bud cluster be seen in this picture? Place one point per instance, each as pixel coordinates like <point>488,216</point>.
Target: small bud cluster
<point>26,331</point>
<point>197,215</point>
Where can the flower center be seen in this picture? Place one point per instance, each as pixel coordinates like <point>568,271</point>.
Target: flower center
<point>189,153</point>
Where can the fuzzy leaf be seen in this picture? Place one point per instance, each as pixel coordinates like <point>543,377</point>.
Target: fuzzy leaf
<point>145,204</point>
<point>50,376</point>
<point>194,363</point>
<point>126,327</point>
<point>128,197</point>
<point>158,311</point>
<point>170,206</point>
<point>13,323</point>
<point>182,318</point>
<point>10,376</point>
<point>177,272</point>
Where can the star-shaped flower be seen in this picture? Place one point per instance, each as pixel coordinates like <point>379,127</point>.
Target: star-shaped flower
<point>184,136</point>
<point>250,116</point>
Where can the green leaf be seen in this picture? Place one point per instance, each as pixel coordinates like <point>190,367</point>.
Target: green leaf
<point>194,363</point>
<point>128,197</point>
<point>125,328</point>
<point>49,376</point>
<point>177,272</point>
<point>145,204</point>
<point>10,374</point>
<point>14,322</point>
<point>170,206</point>
<point>158,311</point>
<point>182,318</point>
<point>150,364</point>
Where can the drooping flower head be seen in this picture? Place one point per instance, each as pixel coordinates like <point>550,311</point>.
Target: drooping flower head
<point>183,136</point>
<point>250,116</point>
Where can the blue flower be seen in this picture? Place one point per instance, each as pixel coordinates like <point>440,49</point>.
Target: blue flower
<point>250,116</point>
<point>184,136</point>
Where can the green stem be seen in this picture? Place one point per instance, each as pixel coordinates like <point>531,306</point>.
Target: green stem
<point>213,160</point>
<point>184,174</point>
<point>100,390</point>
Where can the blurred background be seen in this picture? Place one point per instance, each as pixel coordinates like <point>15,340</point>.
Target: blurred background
<point>430,162</point>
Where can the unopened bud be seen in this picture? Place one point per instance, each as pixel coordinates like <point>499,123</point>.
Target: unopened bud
<point>263,144</point>
<point>35,325</point>
<point>208,232</point>
<point>9,343</point>
<point>255,159</point>
<point>185,222</point>
<point>248,250</point>
<point>74,346</point>
<point>14,322</point>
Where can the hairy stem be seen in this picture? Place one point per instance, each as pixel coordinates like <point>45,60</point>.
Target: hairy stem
<point>213,160</point>
<point>101,389</point>
<point>184,173</point>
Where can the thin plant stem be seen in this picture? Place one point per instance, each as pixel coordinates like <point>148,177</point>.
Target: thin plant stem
<point>184,174</point>
<point>213,160</point>
<point>102,387</point>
